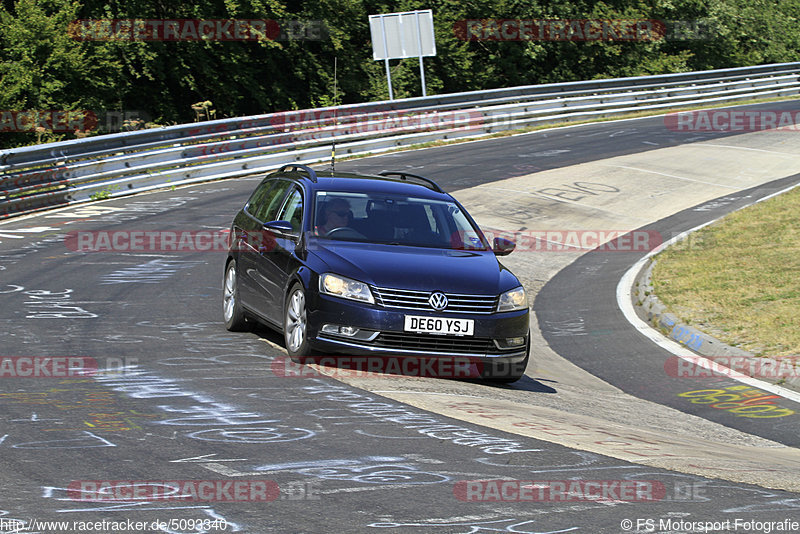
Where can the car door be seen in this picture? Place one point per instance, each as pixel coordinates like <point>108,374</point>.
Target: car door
<point>278,261</point>
<point>259,291</point>
<point>244,226</point>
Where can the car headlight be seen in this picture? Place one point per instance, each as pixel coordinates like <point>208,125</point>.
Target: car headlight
<point>513,300</point>
<point>340,286</point>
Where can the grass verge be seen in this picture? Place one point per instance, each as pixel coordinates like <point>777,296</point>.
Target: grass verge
<point>738,280</point>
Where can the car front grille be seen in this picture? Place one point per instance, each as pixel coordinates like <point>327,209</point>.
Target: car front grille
<point>418,300</point>
<point>433,343</point>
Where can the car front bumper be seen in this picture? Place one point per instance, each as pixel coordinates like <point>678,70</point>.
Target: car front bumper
<point>381,332</point>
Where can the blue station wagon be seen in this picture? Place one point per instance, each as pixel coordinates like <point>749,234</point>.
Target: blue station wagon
<point>374,265</point>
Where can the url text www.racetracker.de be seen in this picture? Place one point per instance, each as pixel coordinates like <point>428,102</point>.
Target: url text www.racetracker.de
<point>122,525</point>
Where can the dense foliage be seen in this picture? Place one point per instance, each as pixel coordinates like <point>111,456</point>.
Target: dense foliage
<point>43,68</point>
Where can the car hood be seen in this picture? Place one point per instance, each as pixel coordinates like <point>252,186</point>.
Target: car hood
<point>403,267</point>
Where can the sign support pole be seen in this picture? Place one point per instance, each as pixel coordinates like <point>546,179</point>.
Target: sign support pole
<point>421,70</point>
<point>422,76</point>
<point>389,79</point>
<point>388,72</point>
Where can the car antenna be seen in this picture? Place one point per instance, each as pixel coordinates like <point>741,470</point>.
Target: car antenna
<point>333,139</point>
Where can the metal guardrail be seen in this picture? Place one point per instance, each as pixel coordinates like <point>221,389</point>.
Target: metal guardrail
<point>42,176</point>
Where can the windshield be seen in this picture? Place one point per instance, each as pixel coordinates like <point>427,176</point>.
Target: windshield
<point>394,219</point>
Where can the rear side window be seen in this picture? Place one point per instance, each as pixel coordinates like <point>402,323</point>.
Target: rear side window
<point>293,210</point>
<point>259,196</point>
<point>264,205</point>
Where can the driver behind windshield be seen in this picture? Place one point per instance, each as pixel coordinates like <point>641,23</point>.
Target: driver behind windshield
<point>337,214</point>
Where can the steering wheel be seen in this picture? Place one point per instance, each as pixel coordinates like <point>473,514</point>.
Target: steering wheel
<point>345,231</point>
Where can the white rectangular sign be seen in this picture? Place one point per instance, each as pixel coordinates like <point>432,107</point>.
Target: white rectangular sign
<point>402,35</point>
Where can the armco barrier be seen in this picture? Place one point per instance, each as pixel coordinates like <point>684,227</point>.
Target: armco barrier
<point>43,176</point>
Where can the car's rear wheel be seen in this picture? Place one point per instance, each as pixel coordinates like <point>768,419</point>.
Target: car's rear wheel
<point>235,318</point>
<point>295,324</point>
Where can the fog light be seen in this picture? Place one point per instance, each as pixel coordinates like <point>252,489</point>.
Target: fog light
<point>509,342</point>
<point>330,329</point>
<point>348,331</point>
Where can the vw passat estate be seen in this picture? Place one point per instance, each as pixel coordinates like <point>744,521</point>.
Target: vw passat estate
<point>384,265</point>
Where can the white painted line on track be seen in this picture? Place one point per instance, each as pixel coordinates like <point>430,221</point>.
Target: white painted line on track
<point>649,171</point>
<point>625,303</point>
<point>787,154</point>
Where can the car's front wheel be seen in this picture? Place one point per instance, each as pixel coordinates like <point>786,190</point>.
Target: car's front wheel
<point>232,312</point>
<point>295,324</point>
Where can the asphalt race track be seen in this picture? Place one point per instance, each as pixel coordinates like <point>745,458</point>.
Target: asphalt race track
<point>609,347</point>
<point>178,398</point>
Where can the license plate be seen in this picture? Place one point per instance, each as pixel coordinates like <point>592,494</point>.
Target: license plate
<point>439,325</point>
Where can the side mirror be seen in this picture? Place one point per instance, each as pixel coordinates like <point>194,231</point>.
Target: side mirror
<point>266,239</point>
<point>503,246</point>
<point>285,227</point>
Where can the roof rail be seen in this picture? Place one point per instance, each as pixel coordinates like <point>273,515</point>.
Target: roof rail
<point>406,175</point>
<point>297,168</point>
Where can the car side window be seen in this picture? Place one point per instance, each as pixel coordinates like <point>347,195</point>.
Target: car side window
<point>267,209</point>
<point>259,196</point>
<point>293,210</point>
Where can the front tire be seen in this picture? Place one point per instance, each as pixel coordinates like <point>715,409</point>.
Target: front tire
<point>295,324</point>
<point>232,312</point>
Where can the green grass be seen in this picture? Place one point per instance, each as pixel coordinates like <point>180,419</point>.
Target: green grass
<point>740,279</point>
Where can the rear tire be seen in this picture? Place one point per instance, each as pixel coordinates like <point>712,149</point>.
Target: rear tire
<point>232,312</point>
